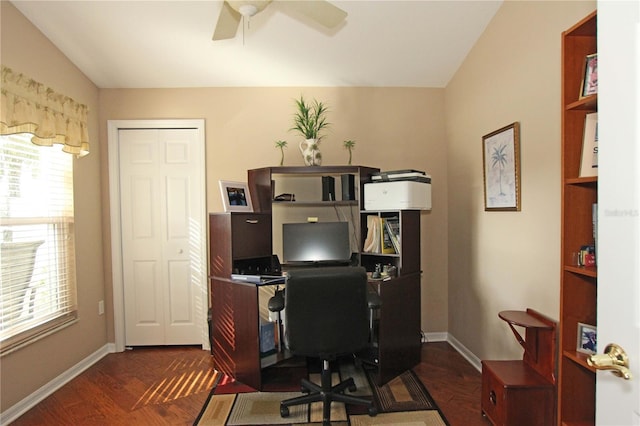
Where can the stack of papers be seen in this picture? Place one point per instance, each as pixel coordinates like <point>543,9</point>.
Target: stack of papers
<point>395,175</point>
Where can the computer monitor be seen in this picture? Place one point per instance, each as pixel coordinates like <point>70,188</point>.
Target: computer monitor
<point>320,242</point>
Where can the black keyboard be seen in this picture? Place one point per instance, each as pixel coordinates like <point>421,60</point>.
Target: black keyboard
<point>259,279</point>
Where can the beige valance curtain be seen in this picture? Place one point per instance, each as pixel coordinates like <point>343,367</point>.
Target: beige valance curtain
<point>52,118</point>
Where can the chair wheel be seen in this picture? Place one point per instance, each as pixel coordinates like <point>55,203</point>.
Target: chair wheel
<point>284,411</point>
<point>373,411</point>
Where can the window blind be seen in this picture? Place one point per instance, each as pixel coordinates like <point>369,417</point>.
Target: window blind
<point>37,253</point>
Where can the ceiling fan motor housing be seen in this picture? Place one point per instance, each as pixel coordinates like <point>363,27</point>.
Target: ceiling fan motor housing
<point>248,8</point>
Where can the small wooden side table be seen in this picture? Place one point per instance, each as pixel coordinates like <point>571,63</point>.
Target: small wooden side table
<point>523,392</point>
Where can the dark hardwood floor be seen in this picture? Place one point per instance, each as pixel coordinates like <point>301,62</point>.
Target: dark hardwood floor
<point>168,386</point>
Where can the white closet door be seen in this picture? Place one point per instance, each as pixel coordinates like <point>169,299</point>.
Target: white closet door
<point>160,187</point>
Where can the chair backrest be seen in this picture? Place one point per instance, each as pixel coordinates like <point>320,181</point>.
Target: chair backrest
<point>326,311</point>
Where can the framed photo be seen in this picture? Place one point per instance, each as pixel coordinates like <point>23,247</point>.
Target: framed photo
<point>589,159</point>
<point>501,169</point>
<point>587,339</point>
<point>235,196</point>
<point>590,76</point>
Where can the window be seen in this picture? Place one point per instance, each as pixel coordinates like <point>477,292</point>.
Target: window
<point>37,254</point>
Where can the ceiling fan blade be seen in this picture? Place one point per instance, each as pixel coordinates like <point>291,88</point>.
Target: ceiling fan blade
<point>320,11</point>
<point>228,23</point>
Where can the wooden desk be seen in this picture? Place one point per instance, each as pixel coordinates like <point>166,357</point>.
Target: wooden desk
<point>242,242</point>
<point>522,392</point>
<point>236,310</point>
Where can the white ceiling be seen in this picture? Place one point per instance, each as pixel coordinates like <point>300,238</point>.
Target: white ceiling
<point>158,44</point>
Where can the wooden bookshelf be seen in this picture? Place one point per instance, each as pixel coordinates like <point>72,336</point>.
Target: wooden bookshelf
<point>578,284</point>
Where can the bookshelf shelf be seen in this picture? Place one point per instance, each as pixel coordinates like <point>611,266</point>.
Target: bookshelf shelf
<point>590,103</point>
<point>588,271</point>
<point>589,180</point>
<point>315,203</point>
<point>579,358</point>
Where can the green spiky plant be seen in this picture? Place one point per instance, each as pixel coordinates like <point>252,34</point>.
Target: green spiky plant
<point>350,145</point>
<point>310,118</point>
<point>282,145</point>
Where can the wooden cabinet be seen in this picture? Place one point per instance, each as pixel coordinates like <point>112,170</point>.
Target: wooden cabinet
<point>239,243</point>
<point>399,335</point>
<point>522,392</point>
<point>516,395</point>
<point>578,284</point>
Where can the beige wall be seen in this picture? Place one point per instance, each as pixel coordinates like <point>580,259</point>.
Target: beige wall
<point>26,50</point>
<point>394,128</point>
<point>506,260</point>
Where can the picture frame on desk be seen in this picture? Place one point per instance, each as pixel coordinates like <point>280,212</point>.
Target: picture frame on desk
<point>587,339</point>
<point>589,84</point>
<point>501,169</point>
<point>235,196</point>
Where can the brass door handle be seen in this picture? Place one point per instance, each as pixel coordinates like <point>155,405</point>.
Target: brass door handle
<point>614,359</point>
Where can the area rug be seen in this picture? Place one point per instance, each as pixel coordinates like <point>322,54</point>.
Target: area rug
<point>403,400</point>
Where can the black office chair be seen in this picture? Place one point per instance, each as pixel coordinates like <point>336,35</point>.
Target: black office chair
<point>276,305</point>
<point>327,316</point>
<point>369,356</point>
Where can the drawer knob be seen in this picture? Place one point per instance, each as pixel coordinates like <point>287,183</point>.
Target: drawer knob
<point>492,397</point>
<point>252,221</point>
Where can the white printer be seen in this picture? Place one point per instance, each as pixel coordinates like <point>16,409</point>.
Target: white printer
<point>398,190</point>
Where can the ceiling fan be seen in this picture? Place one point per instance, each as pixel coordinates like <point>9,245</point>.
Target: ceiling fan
<point>233,11</point>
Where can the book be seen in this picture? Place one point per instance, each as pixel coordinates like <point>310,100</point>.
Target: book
<point>387,246</point>
<point>372,242</point>
<point>594,220</point>
<point>589,160</point>
<point>587,255</point>
<point>393,226</point>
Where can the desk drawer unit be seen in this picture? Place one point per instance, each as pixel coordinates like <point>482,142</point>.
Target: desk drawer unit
<point>250,235</point>
<point>513,394</point>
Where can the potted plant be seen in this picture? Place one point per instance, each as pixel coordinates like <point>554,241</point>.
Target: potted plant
<point>350,145</point>
<point>282,145</point>
<point>310,120</point>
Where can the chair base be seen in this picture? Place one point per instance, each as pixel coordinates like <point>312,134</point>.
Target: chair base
<point>327,394</point>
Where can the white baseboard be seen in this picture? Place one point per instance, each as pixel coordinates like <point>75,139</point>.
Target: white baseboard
<point>32,400</point>
<point>435,337</point>
<point>466,353</point>
<point>462,350</point>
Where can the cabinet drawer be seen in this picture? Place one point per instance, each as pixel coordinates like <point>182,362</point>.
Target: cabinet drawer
<point>492,396</point>
<point>513,394</point>
<point>251,235</point>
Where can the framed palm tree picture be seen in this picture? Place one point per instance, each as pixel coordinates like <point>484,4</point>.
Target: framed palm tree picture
<point>501,169</point>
